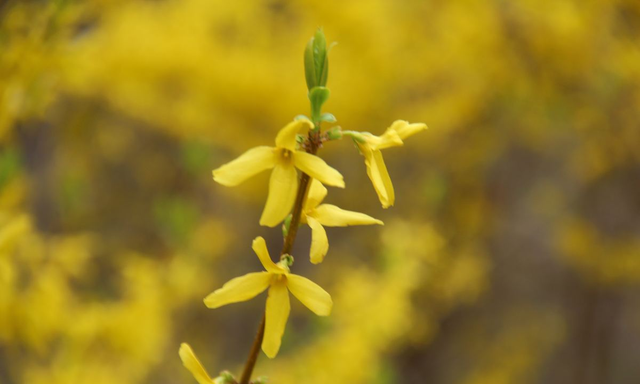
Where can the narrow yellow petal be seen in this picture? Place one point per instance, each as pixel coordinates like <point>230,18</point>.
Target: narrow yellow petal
<point>317,193</point>
<point>316,167</point>
<point>390,138</point>
<point>332,216</point>
<point>191,362</point>
<point>239,289</point>
<point>319,241</point>
<point>386,180</point>
<point>248,164</point>
<point>310,294</point>
<point>374,176</point>
<point>377,172</point>
<point>405,129</point>
<point>283,186</point>
<point>260,248</point>
<point>287,136</point>
<point>277,313</point>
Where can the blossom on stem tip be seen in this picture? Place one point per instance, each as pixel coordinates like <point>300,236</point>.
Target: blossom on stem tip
<point>370,146</point>
<point>316,215</point>
<point>278,279</point>
<point>284,158</point>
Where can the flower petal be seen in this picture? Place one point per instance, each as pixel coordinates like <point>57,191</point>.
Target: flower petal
<point>332,216</point>
<point>248,164</point>
<point>390,138</point>
<point>384,175</point>
<point>405,129</point>
<point>260,248</point>
<point>319,241</point>
<point>191,362</point>
<point>317,193</point>
<point>239,289</point>
<point>379,177</point>
<point>283,186</point>
<point>316,167</point>
<point>277,313</point>
<point>310,294</point>
<point>287,136</point>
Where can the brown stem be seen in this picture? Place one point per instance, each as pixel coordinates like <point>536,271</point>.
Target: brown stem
<point>297,213</point>
<point>253,354</point>
<point>313,144</point>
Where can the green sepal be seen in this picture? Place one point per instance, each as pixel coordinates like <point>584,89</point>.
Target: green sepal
<point>318,96</point>
<point>357,137</point>
<point>328,118</point>
<point>286,260</point>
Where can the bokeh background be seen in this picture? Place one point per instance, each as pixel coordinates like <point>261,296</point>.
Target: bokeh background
<point>512,254</point>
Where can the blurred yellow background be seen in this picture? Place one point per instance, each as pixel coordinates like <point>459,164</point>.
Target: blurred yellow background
<point>512,254</point>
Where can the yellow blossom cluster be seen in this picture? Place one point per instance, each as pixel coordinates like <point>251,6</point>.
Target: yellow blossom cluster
<point>51,333</point>
<point>298,198</point>
<point>284,158</point>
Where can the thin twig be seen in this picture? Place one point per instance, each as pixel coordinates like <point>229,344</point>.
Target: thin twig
<point>253,354</point>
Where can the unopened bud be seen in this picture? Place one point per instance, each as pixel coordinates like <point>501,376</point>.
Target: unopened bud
<point>225,378</point>
<point>334,133</point>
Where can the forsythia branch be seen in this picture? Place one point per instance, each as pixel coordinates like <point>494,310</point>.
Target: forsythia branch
<point>312,146</point>
<point>297,200</point>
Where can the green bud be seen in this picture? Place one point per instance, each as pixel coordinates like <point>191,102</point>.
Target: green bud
<point>225,378</point>
<point>334,133</point>
<point>261,380</point>
<point>316,61</point>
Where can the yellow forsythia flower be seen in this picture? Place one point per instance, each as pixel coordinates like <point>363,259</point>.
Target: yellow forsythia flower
<point>277,278</point>
<point>192,363</point>
<point>284,159</point>
<point>370,147</point>
<point>317,215</point>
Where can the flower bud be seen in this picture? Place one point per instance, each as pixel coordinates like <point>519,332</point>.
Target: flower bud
<point>334,133</point>
<point>225,378</point>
